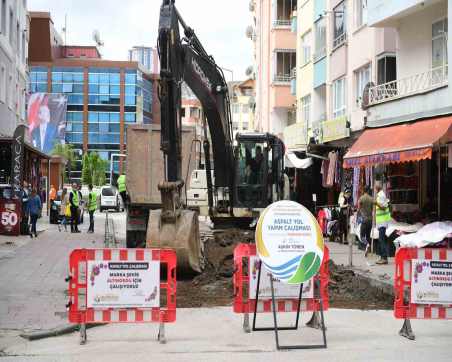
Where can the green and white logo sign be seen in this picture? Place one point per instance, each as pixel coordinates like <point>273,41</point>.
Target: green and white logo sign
<point>289,242</point>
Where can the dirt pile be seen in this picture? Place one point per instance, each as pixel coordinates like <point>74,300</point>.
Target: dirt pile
<point>214,286</point>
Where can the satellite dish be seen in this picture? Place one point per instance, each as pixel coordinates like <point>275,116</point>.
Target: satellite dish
<point>96,38</point>
<point>365,96</point>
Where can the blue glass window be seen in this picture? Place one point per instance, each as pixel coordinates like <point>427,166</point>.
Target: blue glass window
<point>129,100</point>
<point>68,127</point>
<point>129,117</point>
<point>77,127</point>
<point>130,89</point>
<point>78,77</point>
<point>41,87</point>
<point>104,99</point>
<point>103,127</point>
<point>93,127</point>
<point>103,78</point>
<point>114,127</point>
<point>67,87</point>
<point>57,88</point>
<point>41,77</point>
<point>93,78</point>
<point>57,77</point>
<point>67,77</point>
<point>93,137</point>
<point>130,78</point>
<point>75,99</point>
<point>93,117</point>
<point>93,88</point>
<point>93,99</point>
<point>114,78</point>
<point>104,117</point>
<point>103,89</point>
<point>114,117</point>
<point>114,89</point>
<point>77,88</point>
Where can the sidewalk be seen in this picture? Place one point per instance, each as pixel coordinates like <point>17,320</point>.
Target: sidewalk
<point>381,276</point>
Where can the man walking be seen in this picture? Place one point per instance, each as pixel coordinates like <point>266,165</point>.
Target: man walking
<point>382,217</point>
<point>92,206</point>
<point>34,209</point>
<point>365,208</point>
<point>74,201</point>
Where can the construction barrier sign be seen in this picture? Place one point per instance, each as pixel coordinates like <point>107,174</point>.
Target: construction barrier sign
<point>423,285</point>
<point>122,286</point>
<point>246,264</point>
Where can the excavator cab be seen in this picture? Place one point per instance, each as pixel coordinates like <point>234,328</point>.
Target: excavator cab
<point>259,170</point>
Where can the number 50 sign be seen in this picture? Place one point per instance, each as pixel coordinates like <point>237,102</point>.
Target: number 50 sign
<point>10,217</point>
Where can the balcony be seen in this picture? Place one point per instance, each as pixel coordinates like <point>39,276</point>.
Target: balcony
<point>283,79</point>
<point>338,41</point>
<point>282,23</point>
<point>386,13</point>
<point>293,26</point>
<point>405,87</point>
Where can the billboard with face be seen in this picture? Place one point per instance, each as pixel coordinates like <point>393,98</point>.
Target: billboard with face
<point>47,120</point>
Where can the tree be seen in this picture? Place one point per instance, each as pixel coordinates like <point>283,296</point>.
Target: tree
<point>67,152</point>
<point>87,177</point>
<point>93,170</point>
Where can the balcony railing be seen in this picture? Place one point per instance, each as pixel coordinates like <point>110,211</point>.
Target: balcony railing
<point>282,23</point>
<point>339,40</point>
<point>418,83</point>
<point>281,78</point>
<point>293,73</point>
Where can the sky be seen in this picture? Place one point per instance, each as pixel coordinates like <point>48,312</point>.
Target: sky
<point>219,24</point>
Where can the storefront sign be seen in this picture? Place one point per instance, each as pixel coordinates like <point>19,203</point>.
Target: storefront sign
<point>431,281</point>
<point>295,136</point>
<point>282,290</point>
<point>17,159</point>
<point>390,157</point>
<point>335,129</point>
<point>289,242</point>
<point>10,211</point>
<point>123,284</point>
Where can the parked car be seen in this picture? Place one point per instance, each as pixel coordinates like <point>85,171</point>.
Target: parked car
<point>109,198</point>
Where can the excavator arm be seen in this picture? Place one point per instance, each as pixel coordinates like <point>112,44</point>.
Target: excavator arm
<point>185,59</point>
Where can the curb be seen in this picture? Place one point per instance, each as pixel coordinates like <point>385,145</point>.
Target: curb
<point>54,332</point>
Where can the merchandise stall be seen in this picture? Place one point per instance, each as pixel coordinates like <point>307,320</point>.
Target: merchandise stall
<point>414,163</point>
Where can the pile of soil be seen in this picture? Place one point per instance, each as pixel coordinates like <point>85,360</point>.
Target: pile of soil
<point>214,286</point>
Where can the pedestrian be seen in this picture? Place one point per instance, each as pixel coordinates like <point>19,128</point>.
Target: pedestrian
<point>382,217</point>
<point>122,188</point>
<point>34,209</point>
<point>74,201</point>
<point>92,206</point>
<point>344,204</point>
<point>63,209</point>
<point>365,209</point>
<point>52,194</point>
<point>24,228</point>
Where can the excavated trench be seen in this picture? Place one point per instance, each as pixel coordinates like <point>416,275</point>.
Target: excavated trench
<point>214,286</point>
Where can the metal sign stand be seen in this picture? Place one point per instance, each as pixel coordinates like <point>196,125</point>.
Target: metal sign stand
<point>277,328</point>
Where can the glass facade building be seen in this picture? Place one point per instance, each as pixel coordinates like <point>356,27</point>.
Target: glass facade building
<point>102,102</point>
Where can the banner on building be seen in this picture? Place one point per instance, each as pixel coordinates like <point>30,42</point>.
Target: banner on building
<point>47,120</point>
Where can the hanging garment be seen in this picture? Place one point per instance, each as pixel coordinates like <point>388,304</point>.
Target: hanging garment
<point>331,169</point>
<point>324,171</point>
<point>356,173</point>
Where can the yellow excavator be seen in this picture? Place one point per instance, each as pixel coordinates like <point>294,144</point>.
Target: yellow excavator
<point>247,171</point>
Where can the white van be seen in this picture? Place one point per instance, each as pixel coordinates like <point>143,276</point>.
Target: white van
<point>109,198</point>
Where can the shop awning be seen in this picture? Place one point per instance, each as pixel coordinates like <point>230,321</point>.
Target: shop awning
<point>292,161</point>
<point>400,143</point>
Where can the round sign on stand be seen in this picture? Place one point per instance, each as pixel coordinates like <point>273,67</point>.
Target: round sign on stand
<point>289,242</point>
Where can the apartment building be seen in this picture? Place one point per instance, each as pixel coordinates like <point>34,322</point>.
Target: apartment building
<point>242,105</point>
<point>338,55</point>
<point>13,64</point>
<point>275,57</point>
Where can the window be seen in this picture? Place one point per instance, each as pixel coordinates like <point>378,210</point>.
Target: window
<point>236,108</point>
<point>362,77</point>
<point>320,39</point>
<point>285,62</point>
<point>386,69</point>
<point>66,87</point>
<point>360,12</point>
<point>10,87</point>
<point>439,43</point>
<point>194,112</point>
<point>306,48</point>
<point>18,38</point>
<point>245,108</point>
<point>339,105</point>
<point>182,113</point>
<point>3,17</point>
<point>11,25</point>
<point>340,25</point>
<point>306,109</point>
<point>284,10</point>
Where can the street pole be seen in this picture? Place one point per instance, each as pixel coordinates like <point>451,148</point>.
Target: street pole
<point>230,71</point>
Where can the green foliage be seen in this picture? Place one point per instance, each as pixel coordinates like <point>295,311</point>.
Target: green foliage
<point>67,152</point>
<point>93,169</point>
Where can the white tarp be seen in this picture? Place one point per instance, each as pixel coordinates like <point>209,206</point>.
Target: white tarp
<point>428,234</point>
<point>292,161</point>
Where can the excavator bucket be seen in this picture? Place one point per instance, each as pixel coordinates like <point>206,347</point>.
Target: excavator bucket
<point>181,234</point>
